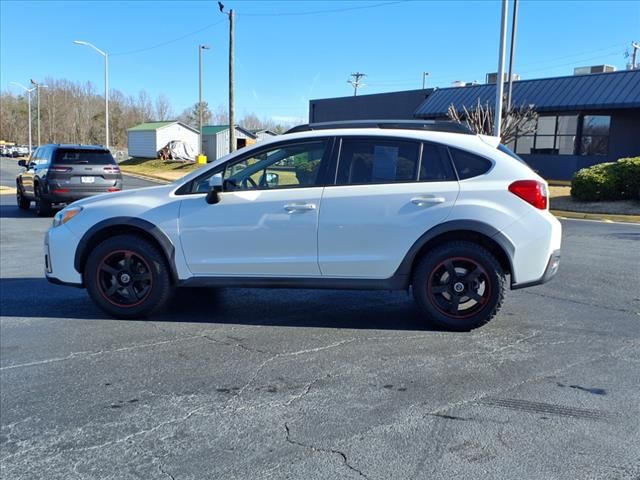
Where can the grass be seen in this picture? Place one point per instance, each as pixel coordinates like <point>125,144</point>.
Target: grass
<point>168,170</point>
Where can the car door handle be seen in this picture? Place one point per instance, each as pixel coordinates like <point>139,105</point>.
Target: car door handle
<point>427,200</point>
<point>299,207</point>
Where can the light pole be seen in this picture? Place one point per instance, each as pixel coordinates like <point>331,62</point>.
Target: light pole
<point>38,86</point>
<point>28,90</point>
<point>424,79</point>
<point>500,82</point>
<point>106,85</point>
<point>200,48</point>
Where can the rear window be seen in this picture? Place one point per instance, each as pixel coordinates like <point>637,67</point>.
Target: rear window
<point>469,165</point>
<point>72,156</point>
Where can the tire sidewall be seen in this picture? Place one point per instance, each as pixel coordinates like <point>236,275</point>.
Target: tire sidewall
<point>474,252</point>
<point>160,280</point>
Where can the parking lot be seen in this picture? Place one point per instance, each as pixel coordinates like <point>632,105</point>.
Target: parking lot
<point>234,383</point>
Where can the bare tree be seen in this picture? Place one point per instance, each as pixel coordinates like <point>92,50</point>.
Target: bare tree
<point>518,121</point>
<point>163,108</point>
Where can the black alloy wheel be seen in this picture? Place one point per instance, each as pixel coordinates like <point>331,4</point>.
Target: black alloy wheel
<point>43,207</point>
<point>127,277</point>
<point>459,286</point>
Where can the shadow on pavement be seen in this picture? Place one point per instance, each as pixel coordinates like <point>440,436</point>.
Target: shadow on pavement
<point>12,211</point>
<point>35,297</point>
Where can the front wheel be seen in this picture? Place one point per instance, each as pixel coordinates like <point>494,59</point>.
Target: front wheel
<point>459,286</point>
<point>127,277</point>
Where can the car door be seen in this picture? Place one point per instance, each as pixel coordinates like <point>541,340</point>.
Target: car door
<point>388,192</point>
<point>266,221</point>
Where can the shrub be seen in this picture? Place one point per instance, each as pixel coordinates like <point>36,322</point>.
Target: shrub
<point>608,181</point>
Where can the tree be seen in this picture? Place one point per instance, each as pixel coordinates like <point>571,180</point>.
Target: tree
<point>518,121</point>
<point>191,116</point>
<point>163,108</point>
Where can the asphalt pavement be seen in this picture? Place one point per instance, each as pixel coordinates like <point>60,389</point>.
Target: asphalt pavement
<point>302,384</point>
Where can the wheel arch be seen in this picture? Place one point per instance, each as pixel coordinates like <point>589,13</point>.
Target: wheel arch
<point>122,226</point>
<point>465,230</point>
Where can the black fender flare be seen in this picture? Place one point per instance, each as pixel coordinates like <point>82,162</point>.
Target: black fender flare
<point>149,228</point>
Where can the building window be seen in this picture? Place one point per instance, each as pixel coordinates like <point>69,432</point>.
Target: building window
<point>595,135</point>
<point>553,135</point>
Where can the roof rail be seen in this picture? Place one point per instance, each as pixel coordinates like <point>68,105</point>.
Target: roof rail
<point>429,125</point>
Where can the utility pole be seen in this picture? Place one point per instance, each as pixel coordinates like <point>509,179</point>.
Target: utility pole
<point>232,126</point>
<point>200,48</point>
<point>356,81</point>
<point>424,79</point>
<point>514,28</point>
<point>635,47</point>
<point>38,87</point>
<point>500,82</point>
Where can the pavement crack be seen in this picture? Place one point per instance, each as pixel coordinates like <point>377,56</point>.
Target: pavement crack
<point>323,450</point>
<point>578,302</point>
<point>235,344</point>
<point>89,354</point>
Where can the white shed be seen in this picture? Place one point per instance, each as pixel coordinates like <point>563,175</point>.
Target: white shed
<point>264,134</point>
<point>147,138</point>
<point>215,140</point>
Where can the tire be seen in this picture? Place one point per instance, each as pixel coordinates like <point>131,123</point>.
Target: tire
<point>43,207</point>
<point>127,277</point>
<point>459,286</point>
<point>23,202</point>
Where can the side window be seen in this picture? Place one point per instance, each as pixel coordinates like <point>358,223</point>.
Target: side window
<point>469,165</point>
<point>435,165</point>
<point>287,166</point>
<point>370,161</point>
<point>43,156</point>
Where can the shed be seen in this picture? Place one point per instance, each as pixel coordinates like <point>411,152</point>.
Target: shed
<point>146,139</point>
<point>263,134</point>
<point>215,140</point>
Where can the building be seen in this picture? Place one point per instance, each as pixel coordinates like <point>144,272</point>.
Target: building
<point>215,140</point>
<point>263,134</point>
<point>379,106</point>
<point>583,119</point>
<point>146,139</point>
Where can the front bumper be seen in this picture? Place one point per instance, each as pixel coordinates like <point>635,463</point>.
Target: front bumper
<point>59,250</point>
<point>552,269</point>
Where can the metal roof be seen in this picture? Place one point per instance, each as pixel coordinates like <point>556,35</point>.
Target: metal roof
<point>215,129</point>
<point>575,93</point>
<point>143,127</point>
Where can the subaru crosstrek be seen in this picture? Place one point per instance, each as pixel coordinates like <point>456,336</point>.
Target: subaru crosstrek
<point>428,206</point>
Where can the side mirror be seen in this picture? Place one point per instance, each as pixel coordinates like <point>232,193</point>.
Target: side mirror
<point>215,187</point>
<point>22,163</point>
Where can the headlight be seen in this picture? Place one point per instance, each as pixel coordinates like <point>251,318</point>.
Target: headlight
<point>64,215</point>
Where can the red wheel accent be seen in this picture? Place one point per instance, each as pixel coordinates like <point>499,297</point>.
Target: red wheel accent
<point>124,278</point>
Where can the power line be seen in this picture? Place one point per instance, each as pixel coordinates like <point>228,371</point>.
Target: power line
<point>211,25</point>
<point>317,12</point>
<point>356,81</point>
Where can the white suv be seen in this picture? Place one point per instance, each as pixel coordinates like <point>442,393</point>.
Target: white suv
<point>350,205</point>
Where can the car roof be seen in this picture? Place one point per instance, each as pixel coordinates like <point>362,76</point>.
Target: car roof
<point>76,146</point>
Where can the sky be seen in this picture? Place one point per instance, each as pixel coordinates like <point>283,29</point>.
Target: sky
<point>288,52</point>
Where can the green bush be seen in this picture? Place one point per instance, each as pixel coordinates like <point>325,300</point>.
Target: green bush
<point>608,181</point>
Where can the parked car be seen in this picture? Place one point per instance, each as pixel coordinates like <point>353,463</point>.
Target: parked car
<point>427,206</point>
<point>64,173</point>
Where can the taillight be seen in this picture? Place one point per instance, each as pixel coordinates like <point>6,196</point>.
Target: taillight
<point>60,169</point>
<point>113,189</point>
<point>531,191</point>
<point>111,169</point>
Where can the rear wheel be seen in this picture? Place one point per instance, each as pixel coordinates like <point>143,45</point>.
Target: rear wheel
<point>23,202</point>
<point>127,277</point>
<point>459,286</point>
<point>43,207</point>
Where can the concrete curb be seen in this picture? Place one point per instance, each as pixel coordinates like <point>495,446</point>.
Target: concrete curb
<point>150,178</point>
<point>602,217</point>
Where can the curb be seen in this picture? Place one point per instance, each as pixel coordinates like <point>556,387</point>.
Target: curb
<point>150,178</point>
<point>602,217</point>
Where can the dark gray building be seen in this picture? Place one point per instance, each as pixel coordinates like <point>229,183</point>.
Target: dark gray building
<point>379,106</point>
<point>583,119</point>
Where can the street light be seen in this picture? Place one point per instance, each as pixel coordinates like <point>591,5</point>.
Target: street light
<point>106,84</point>
<point>38,86</point>
<point>28,90</point>
<point>200,48</point>
<point>424,79</point>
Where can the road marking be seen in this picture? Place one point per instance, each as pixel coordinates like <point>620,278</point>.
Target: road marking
<point>7,190</point>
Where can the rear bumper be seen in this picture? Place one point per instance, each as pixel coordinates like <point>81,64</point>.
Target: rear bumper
<point>552,269</point>
<point>73,195</point>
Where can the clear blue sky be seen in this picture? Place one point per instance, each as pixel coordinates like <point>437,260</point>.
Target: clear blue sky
<point>288,52</point>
